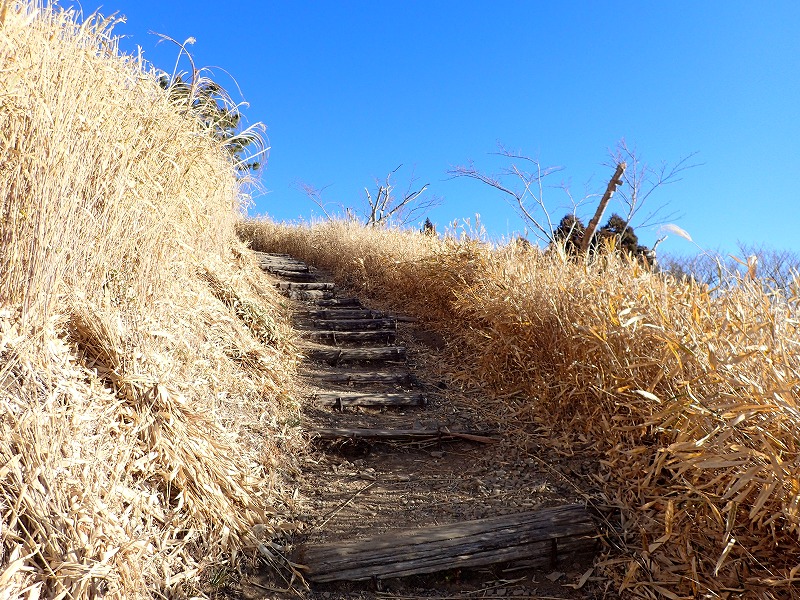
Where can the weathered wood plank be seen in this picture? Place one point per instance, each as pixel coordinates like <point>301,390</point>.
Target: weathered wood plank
<point>284,266</point>
<point>273,255</point>
<point>332,433</point>
<point>545,535</point>
<point>342,399</point>
<point>538,554</point>
<point>289,265</point>
<point>339,355</point>
<point>316,295</point>
<point>294,275</point>
<point>350,324</point>
<point>305,285</point>
<point>270,254</point>
<point>404,318</point>
<point>340,337</point>
<point>338,314</point>
<point>364,377</point>
<point>339,302</point>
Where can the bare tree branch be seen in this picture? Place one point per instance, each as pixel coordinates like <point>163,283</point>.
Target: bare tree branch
<point>529,188</point>
<point>387,208</point>
<point>642,180</point>
<point>315,195</point>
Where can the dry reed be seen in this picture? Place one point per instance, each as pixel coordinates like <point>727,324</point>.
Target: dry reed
<point>689,394</point>
<point>145,418</point>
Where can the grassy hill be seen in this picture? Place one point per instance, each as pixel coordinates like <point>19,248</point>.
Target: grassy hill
<point>144,369</point>
<point>688,396</point>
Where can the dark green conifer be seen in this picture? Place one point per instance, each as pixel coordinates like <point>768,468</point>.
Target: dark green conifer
<point>570,232</point>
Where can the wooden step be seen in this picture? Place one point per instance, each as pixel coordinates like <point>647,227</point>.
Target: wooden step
<point>303,276</point>
<point>291,267</point>
<point>337,314</point>
<point>364,377</point>
<point>341,337</point>
<point>375,434</point>
<point>314,295</point>
<point>403,318</point>
<point>549,536</point>
<point>342,399</point>
<point>339,302</point>
<point>287,266</point>
<point>305,285</point>
<point>271,254</point>
<point>349,324</point>
<point>335,356</point>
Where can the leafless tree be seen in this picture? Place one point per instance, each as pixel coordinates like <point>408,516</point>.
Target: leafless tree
<point>315,195</point>
<point>522,182</point>
<point>643,180</point>
<point>526,190</point>
<point>778,269</point>
<point>775,269</point>
<point>386,207</point>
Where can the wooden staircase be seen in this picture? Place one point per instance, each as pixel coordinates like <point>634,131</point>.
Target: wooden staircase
<point>353,360</point>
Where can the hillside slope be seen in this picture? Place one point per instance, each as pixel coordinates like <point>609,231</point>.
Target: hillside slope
<point>688,395</point>
<point>145,408</point>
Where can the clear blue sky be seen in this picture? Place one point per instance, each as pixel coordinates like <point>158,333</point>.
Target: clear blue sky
<point>349,90</point>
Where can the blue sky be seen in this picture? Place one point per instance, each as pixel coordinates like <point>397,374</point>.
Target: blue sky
<point>350,90</point>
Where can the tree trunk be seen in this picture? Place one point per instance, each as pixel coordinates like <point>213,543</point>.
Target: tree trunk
<point>616,181</point>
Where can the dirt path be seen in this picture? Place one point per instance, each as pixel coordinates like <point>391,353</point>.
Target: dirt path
<point>356,488</point>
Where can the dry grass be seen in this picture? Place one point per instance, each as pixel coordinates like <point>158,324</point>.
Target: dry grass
<point>690,396</point>
<point>144,413</point>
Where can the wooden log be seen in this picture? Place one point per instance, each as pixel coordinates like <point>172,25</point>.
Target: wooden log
<point>364,377</point>
<point>315,295</point>
<point>337,314</point>
<point>613,184</point>
<point>312,295</point>
<point>545,536</point>
<point>339,302</point>
<point>443,434</point>
<point>293,267</point>
<point>339,355</point>
<point>304,276</point>
<point>546,554</point>
<point>351,324</point>
<point>304,285</point>
<point>342,399</point>
<point>273,256</point>
<point>291,264</point>
<point>341,337</point>
<point>404,318</point>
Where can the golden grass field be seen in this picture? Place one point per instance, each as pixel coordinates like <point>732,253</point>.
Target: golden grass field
<point>689,394</point>
<point>146,370</point>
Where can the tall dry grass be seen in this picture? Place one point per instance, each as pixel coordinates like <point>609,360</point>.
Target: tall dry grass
<point>144,368</point>
<point>690,396</point>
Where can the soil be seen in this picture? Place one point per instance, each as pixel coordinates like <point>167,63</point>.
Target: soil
<point>355,489</point>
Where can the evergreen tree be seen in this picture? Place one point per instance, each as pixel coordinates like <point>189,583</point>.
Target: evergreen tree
<point>627,239</point>
<point>618,228</point>
<point>570,232</point>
